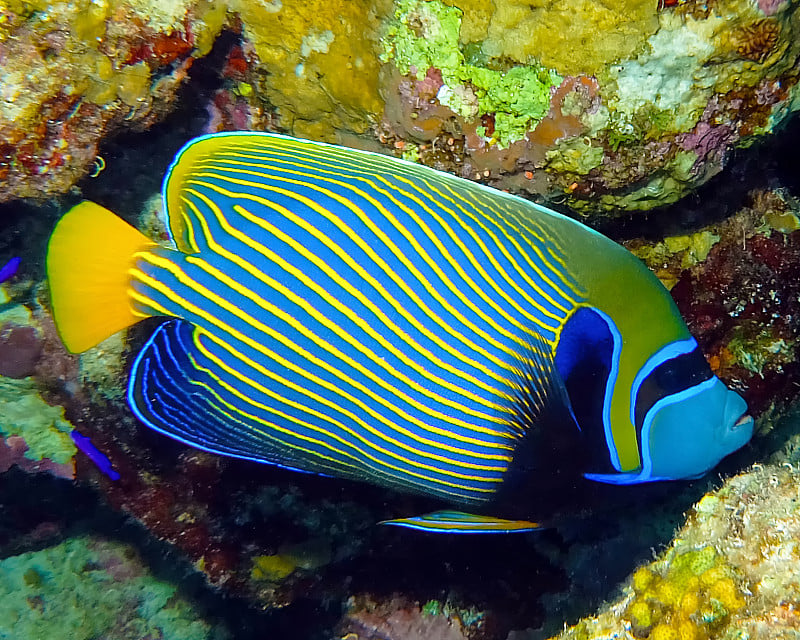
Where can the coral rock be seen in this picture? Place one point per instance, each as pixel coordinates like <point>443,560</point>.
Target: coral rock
<point>90,588</point>
<point>731,571</point>
<point>653,99</point>
<point>74,72</point>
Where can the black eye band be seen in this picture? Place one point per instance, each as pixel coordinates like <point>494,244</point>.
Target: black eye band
<point>671,376</point>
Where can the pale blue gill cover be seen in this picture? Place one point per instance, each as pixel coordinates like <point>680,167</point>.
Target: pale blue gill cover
<point>346,313</point>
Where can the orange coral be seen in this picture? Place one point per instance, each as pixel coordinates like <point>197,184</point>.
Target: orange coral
<point>756,40</point>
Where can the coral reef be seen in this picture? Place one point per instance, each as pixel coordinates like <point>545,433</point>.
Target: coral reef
<point>650,103</point>
<point>425,37</point>
<point>670,256</point>
<point>74,72</point>
<point>499,92</point>
<point>689,595</point>
<point>606,110</point>
<point>20,341</point>
<point>87,588</point>
<point>731,571</point>
<point>399,620</point>
<point>740,302</point>
<point>316,62</point>
<point>33,430</point>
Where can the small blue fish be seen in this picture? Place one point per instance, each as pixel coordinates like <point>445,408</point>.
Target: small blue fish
<point>100,459</point>
<point>350,314</point>
<point>9,269</point>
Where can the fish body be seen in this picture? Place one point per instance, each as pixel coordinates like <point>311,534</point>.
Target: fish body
<point>349,314</point>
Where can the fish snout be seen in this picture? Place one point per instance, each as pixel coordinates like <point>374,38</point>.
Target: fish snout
<point>738,424</point>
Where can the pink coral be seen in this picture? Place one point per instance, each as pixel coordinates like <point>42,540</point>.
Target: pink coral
<point>770,7</point>
<point>12,452</point>
<point>709,142</point>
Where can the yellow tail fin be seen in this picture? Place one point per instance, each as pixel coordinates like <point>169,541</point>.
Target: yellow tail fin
<point>88,258</point>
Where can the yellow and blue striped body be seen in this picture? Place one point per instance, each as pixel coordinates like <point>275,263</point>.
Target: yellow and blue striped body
<point>349,314</point>
<point>365,327</point>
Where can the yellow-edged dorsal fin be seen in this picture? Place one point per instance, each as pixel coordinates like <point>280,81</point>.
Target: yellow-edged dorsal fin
<point>183,169</point>
<point>88,258</point>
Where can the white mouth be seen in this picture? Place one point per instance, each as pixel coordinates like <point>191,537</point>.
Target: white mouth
<point>745,419</point>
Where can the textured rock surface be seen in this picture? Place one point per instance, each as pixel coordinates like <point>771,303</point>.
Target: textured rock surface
<point>645,108</point>
<point>630,120</point>
<point>607,110</point>
<point>87,588</point>
<point>731,571</point>
<point>75,72</point>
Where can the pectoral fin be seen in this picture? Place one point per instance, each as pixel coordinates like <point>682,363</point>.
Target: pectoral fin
<point>459,522</point>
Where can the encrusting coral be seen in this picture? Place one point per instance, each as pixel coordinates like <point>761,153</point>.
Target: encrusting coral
<point>316,62</point>
<point>86,588</point>
<point>731,571</point>
<point>74,72</point>
<point>652,100</point>
<point>621,109</point>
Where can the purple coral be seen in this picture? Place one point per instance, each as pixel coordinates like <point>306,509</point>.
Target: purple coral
<point>12,452</point>
<point>707,140</point>
<point>769,7</point>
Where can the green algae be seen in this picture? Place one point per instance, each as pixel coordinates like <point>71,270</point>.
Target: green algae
<point>103,369</point>
<point>425,35</point>
<point>44,428</point>
<point>432,608</point>
<point>85,589</point>
<point>578,156</point>
<point>755,352</point>
<point>685,250</point>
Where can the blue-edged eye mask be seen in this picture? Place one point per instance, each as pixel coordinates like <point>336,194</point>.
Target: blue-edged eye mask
<point>686,418</point>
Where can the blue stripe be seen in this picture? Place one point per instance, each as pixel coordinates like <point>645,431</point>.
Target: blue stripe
<point>368,182</point>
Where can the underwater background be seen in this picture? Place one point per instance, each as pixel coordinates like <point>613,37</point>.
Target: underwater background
<point>669,125</point>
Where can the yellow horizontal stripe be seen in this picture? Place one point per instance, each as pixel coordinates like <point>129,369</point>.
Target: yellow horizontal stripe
<point>535,319</point>
<point>368,250</point>
<point>412,240</point>
<point>481,203</point>
<point>338,354</point>
<point>404,478</point>
<point>473,213</point>
<point>341,163</point>
<point>544,239</point>
<point>368,166</point>
<point>304,373</point>
<point>383,463</point>
<point>363,274</point>
<point>355,318</point>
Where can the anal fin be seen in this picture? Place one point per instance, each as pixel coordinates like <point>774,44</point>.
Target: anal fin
<point>172,393</point>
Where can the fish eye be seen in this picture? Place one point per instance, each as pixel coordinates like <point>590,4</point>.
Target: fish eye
<point>668,378</point>
<point>669,374</point>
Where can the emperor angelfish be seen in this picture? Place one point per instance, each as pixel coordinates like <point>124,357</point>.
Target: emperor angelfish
<point>350,314</point>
